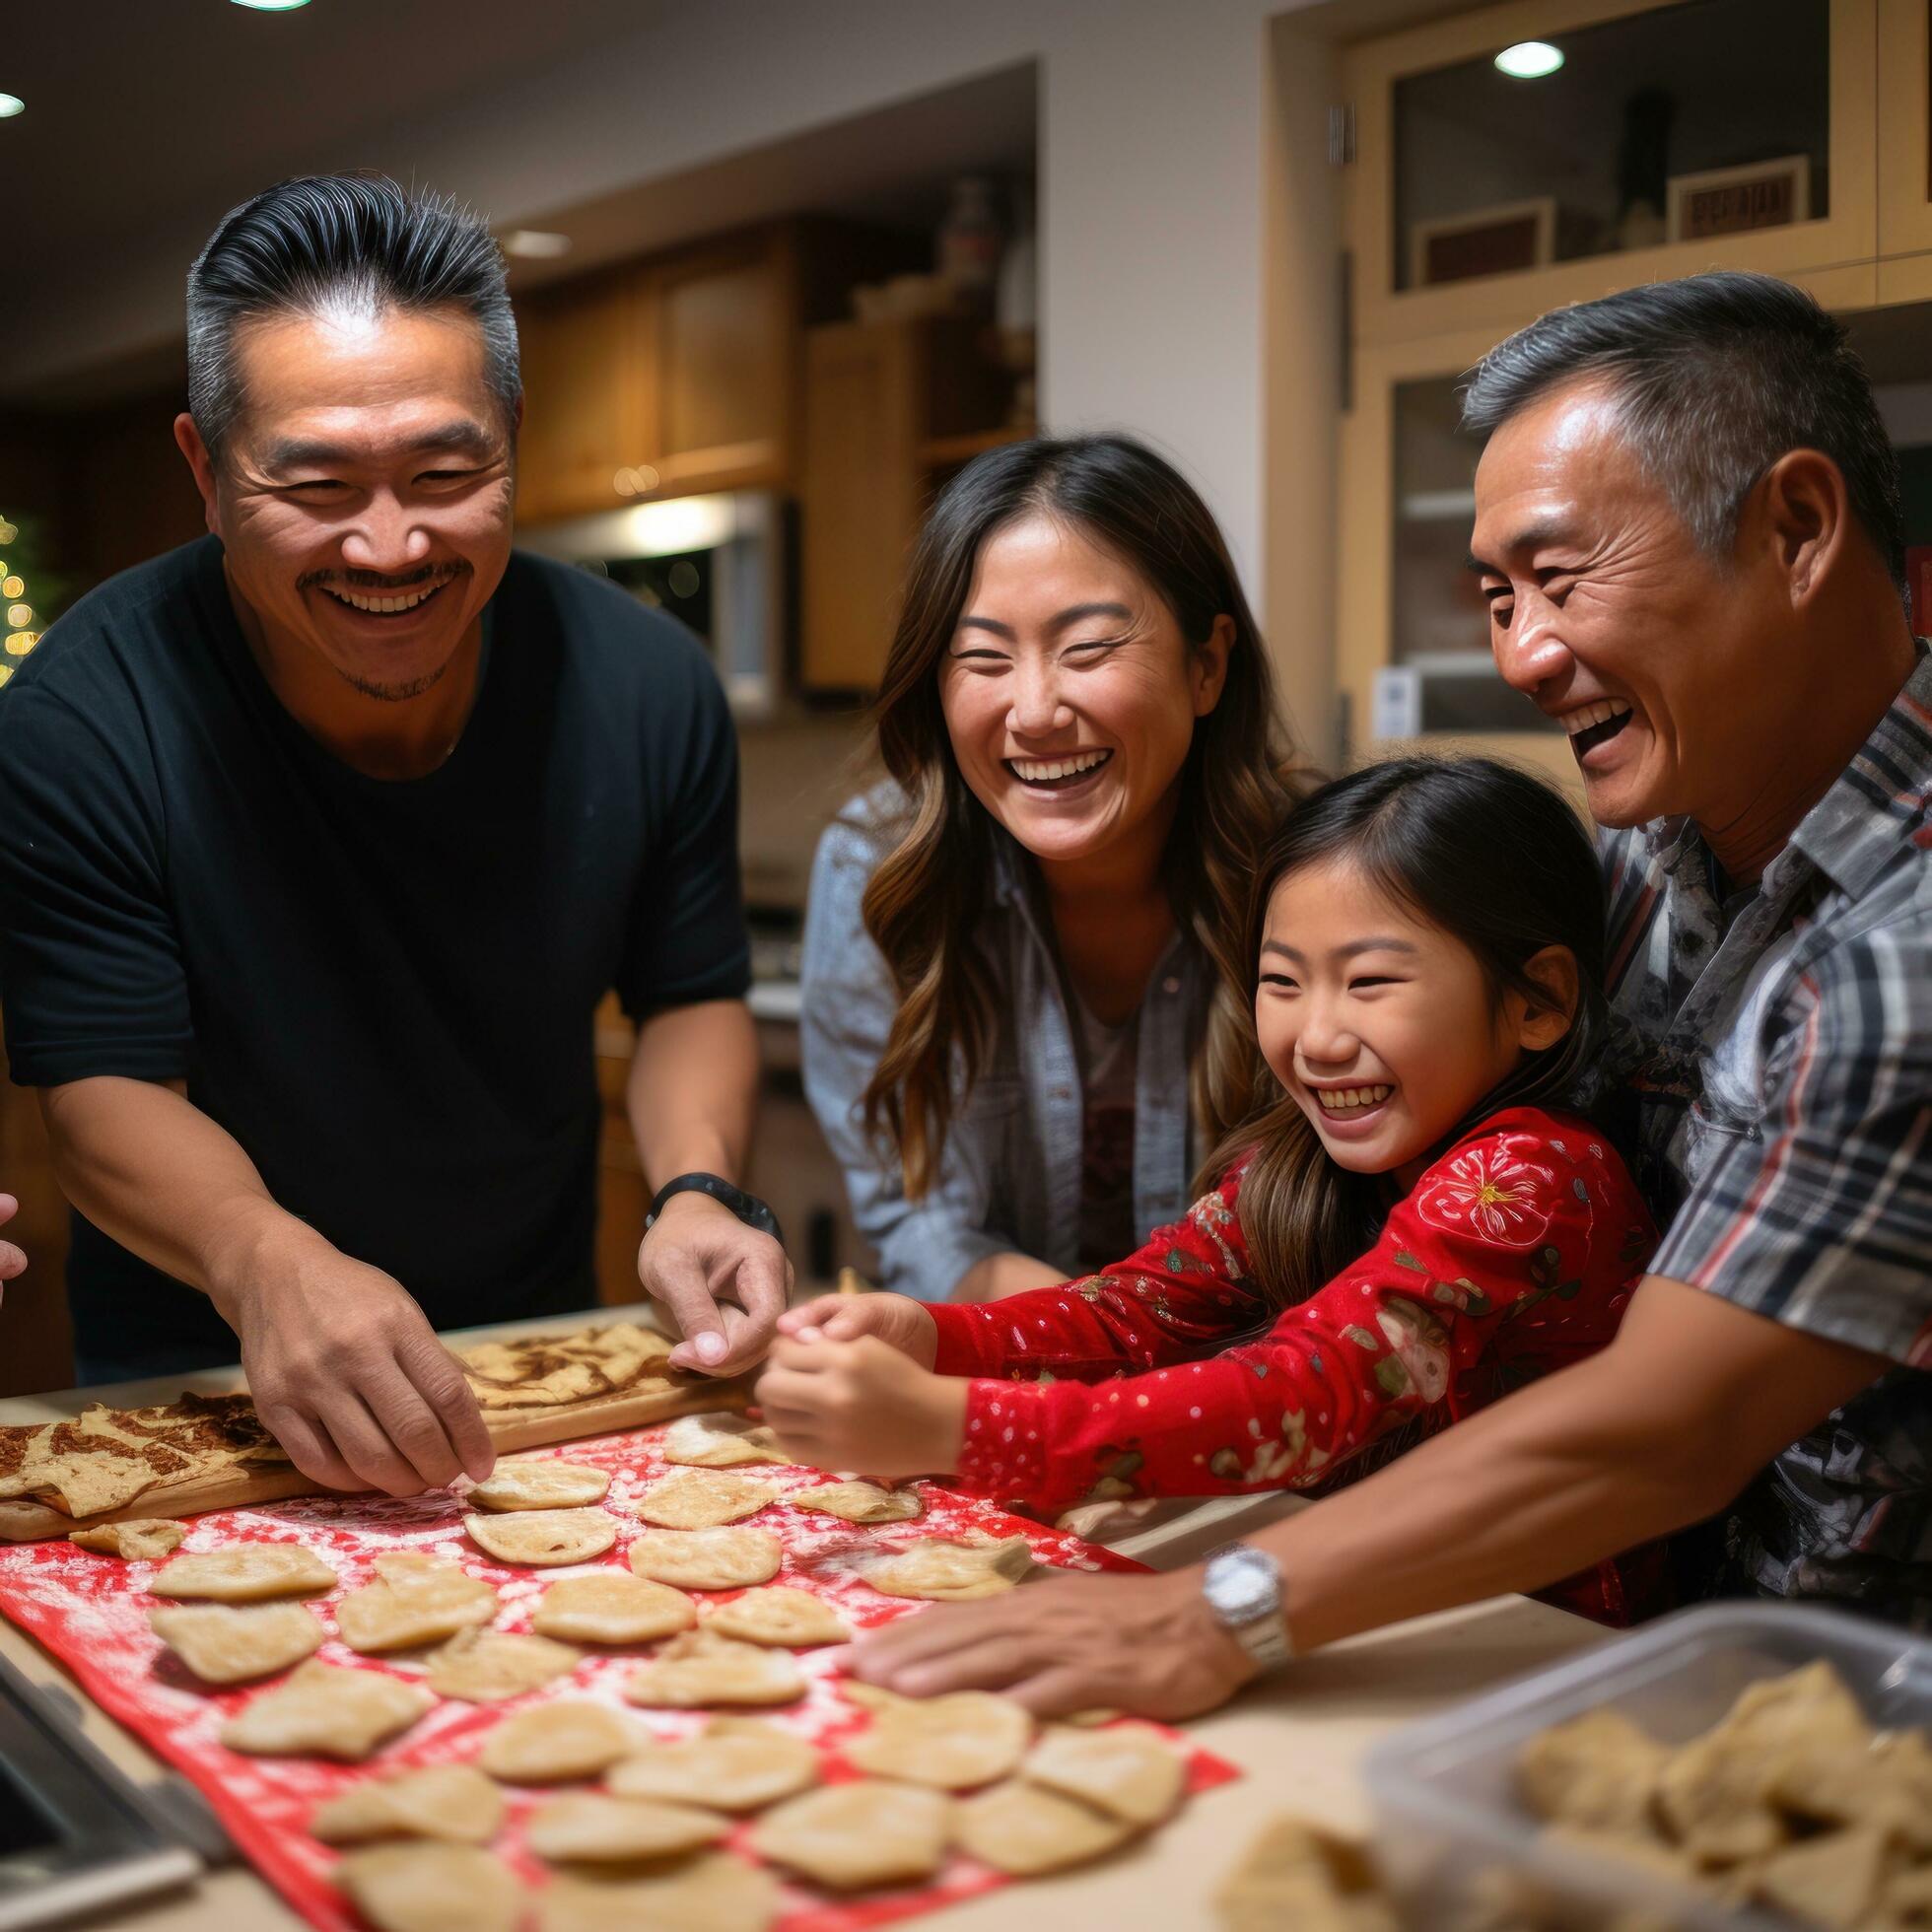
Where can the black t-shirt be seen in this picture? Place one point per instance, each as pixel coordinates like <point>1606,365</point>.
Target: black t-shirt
<point>382,990</point>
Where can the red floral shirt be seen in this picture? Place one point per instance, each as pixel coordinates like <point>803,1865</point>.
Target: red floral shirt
<point>1515,1254</point>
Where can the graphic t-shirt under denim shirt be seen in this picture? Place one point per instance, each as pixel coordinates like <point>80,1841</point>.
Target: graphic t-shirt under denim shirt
<point>1011,1177</point>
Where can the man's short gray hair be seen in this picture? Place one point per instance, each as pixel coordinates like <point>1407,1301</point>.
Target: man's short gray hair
<point>1715,376</point>
<point>354,244</point>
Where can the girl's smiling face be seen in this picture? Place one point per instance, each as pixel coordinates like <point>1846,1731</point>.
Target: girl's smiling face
<point>1383,1027</point>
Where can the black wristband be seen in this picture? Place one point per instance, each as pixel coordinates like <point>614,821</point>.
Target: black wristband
<point>747,1206</point>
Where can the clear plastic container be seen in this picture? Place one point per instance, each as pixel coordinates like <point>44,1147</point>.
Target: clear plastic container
<point>1462,1852</point>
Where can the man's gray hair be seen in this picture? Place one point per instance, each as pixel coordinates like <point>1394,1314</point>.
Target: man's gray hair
<point>358,244</point>
<point>1715,377</point>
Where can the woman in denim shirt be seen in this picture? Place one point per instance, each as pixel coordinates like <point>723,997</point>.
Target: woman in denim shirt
<point>1019,1028</point>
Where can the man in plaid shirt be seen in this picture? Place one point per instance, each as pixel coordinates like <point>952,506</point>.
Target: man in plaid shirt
<point>1690,539</point>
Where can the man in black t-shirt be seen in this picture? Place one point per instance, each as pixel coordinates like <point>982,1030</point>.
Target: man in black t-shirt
<point>320,840</point>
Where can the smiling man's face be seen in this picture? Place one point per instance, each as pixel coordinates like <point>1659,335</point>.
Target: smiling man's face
<point>363,496</point>
<point>1660,662</point>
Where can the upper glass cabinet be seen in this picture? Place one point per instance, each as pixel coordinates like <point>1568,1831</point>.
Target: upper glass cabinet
<point>1624,135</point>
<point>1550,150</point>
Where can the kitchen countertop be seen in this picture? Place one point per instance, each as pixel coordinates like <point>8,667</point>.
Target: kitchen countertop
<point>1299,1741</point>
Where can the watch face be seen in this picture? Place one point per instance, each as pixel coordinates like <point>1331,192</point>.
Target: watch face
<point>1240,1583</point>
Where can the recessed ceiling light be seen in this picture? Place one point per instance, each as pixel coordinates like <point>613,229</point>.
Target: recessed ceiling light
<point>272,6</point>
<point>10,106</point>
<point>1530,60</point>
<point>534,244</point>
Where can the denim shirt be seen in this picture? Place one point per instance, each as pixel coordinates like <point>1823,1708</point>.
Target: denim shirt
<point>1010,1174</point>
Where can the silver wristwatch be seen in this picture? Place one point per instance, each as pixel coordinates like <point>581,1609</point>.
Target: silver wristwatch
<point>1243,1589</point>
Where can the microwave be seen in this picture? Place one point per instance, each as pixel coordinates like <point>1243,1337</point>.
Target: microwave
<point>717,564</point>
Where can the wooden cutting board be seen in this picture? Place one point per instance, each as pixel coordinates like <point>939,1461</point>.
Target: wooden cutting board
<point>33,1522</point>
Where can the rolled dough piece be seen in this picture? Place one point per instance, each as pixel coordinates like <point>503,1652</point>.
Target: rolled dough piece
<point>415,1599</point>
<point>1023,1831</point>
<point>540,1537</point>
<point>484,1667</point>
<point>555,1742</point>
<point>612,1607</point>
<point>711,1893</point>
<point>699,1669</point>
<point>326,1711</point>
<point>140,1538</point>
<point>951,1572</point>
<point>245,1572</point>
<point>1127,1770</point>
<point>718,1443</point>
<point>781,1616</point>
<point>431,1888</point>
<point>733,1764</point>
<point>850,1836</point>
<point>708,1559</point>
<point>453,1802</point>
<point>540,1483</point>
<point>703,1498</point>
<point>588,1828</point>
<point>952,1743</point>
<point>859,1502</point>
<point>223,1644</point>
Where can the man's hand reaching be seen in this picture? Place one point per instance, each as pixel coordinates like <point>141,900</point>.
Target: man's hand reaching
<point>350,1379</point>
<point>725,1285</point>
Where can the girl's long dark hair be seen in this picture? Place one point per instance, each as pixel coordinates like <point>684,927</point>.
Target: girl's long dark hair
<point>1496,858</point>
<point>930,891</point>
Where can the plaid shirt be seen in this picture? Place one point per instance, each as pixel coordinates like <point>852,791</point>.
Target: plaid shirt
<point>1779,1044</point>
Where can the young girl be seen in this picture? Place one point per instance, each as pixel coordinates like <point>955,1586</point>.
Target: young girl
<point>1413,1221</point>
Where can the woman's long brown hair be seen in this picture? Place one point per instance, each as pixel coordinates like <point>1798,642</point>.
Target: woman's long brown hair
<point>1496,858</point>
<point>927,894</point>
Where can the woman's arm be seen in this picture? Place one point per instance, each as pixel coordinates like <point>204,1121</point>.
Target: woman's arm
<point>1007,1273</point>
<point>937,1249</point>
<point>925,1248</point>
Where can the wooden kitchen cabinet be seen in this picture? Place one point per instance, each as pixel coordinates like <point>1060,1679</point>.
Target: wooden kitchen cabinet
<point>860,494</point>
<point>891,410</point>
<point>725,382</point>
<point>590,403</point>
<point>681,373</point>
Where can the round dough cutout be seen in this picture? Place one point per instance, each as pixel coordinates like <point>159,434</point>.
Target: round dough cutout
<point>725,1559</point>
<point>780,1616</point>
<point>245,1572</point>
<point>610,1605</point>
<point>699,1669</point>
<point>540,1539</point>
<point>540,1483</point>
<point>553,1743</point>
<point>856,1835</point>
<point>733,1764</point>
<point>703,1498</point>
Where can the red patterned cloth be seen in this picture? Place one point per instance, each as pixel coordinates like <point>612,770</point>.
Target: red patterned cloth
<point>1516,1253</point>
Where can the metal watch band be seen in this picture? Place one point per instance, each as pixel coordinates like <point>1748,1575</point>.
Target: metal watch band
<point>1257,1625</point>
<point>752,1211</point>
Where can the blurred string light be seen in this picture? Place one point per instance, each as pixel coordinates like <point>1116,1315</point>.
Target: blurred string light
<point>10,106</point>
<point>20,640</point>
<point>1530,60</point>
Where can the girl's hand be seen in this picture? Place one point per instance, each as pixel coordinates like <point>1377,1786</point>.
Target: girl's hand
<point>862,1406</point>
<point>897,1320</point>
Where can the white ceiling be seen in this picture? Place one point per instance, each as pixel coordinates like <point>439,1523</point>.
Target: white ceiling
<point>149,118</point>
